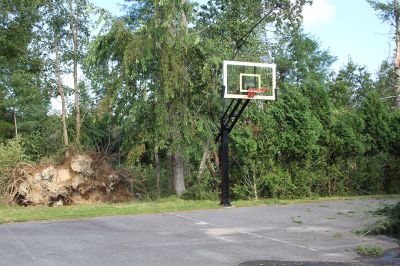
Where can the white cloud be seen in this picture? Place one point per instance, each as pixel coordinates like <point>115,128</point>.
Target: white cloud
<point>320,12</point>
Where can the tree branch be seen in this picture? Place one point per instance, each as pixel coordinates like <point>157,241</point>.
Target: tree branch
<point>242,40</point>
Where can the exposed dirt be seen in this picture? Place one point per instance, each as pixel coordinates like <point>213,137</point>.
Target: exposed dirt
<point>83,178</point>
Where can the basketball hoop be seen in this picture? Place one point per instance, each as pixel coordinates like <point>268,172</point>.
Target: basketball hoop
<point>251,92</point>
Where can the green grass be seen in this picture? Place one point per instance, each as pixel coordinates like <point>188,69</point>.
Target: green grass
<point>337,236</point>
<point>388,225</point>
<point>11,214</point>
<point>372,251</point>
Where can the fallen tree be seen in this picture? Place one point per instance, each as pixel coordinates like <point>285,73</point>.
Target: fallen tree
<point>83,178</point>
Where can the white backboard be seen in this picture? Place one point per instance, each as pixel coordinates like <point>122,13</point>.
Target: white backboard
<point>240,76</point>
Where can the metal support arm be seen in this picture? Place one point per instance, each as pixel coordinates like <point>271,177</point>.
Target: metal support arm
<point>228,121</point>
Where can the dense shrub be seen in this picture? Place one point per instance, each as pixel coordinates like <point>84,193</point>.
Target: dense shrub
<point>11,156</point>
<point>200,192</point>
<point>44,140</point>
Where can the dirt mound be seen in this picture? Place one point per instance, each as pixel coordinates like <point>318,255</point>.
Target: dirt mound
<point>84,178</point>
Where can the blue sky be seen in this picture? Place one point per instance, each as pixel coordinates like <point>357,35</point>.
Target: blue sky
<point>348,28</point>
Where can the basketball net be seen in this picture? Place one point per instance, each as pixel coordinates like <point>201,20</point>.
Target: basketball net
<point>260,104</point>
<point>251,92</point>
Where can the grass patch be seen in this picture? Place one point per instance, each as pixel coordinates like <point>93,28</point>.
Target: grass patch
<point>388,225</point>
<point>297,220</point>
<point>358,232</point>
<point>10,214</point>
<point>337,236</point>
<point>371,251</point>
<point>260,202</point>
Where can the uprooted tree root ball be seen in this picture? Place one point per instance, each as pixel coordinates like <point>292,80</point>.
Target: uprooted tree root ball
<point>83,178</point>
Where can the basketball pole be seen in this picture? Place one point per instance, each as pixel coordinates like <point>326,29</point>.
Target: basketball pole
<point>224,151</point>
<point>234,103</point>
<point>224,155</point>
<point>228,120</point>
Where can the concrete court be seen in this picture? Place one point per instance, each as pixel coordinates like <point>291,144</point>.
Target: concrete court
<point>314,232</point>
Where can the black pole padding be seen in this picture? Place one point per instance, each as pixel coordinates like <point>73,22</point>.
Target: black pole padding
<point>224,149</point>
<point>276,94</point>
<point>228,121</point>
<point>228,110</point>
<point>237,115</point>
<point>229,114</point>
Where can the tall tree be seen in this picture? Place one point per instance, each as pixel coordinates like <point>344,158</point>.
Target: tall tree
<point>24,97</point>
<point>150,60</point>
<point>74,22</point>
<point>79,25</point>
<point>55,23</point>
<point>61,92</point>
<point>397,57</point>
<point>177,159</point>
<point>389,12</point>
<point>350,85</point>
<point>59,25</point>
<point>172,78</point>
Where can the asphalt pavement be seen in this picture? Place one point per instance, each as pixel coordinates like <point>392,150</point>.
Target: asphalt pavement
<point>318,233</point>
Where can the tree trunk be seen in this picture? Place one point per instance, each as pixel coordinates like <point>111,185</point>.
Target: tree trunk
<point>61,93</point>
<point>329,187</point>
<point>211,169</point>
<point>255,188</point>
<point>178,173</point>
<point>397,57</point>
<point>204,159</point>
<point>216,159</point>
<point>177,161</point>
<point>158,169</point>
<point>15,124</point>
<point>74,30</point>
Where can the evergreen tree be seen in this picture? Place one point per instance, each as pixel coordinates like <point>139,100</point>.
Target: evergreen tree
<point>24,97</point>
<point>351,84</point>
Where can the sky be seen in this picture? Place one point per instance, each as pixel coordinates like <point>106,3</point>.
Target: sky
<point>348,29</point>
